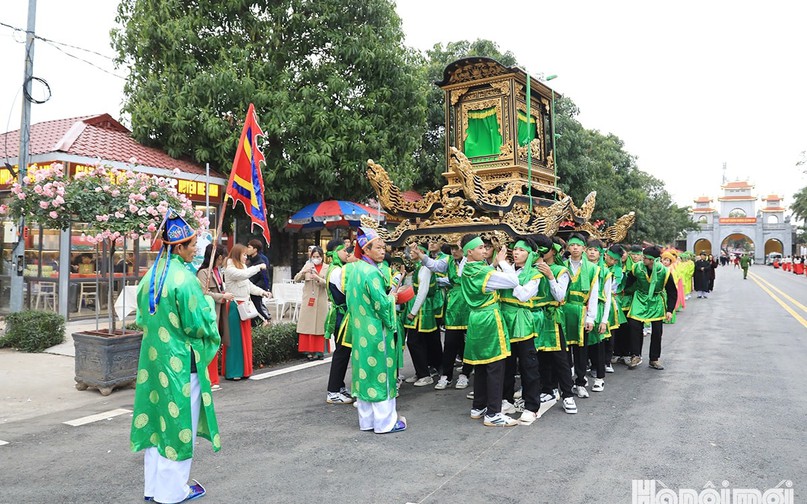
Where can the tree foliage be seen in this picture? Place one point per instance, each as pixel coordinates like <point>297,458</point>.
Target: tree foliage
<point>331,82</point>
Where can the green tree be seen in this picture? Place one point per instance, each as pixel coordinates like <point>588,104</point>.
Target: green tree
<point>799,205</point>
<point>431,154</point>
<point>331,82</point>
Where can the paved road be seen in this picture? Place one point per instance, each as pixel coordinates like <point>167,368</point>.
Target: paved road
<point>729,407</point>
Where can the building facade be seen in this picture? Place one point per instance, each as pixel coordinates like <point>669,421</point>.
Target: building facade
<point>735,217</point>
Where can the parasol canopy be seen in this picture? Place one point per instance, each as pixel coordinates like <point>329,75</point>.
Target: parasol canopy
<point>330,214</point>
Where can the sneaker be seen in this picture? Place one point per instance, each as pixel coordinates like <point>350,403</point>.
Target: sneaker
<point>609,368</point>
<point>442,383</point>
<point>547,401</point>
<point>507,407</point>
<point>476,414</point>
<point>556,393</point>
<point>470,395</point>
<point>433,372</point>
<point>646,332</point>
<point>462,382</point>
<point>499,420</point>
<point>215,387</point>
<point>517,394</point>
<point>626,360</point>
<point>527,417</point>
<point>338,398</point>
<point>569,405</point>
<point>581,391</point>
<point>518,404</point>
<point>422,382</point>
<point>598,386</point>
<point>634,362</point>
<point>614,359</point>
<point>412,379</point>
<point>656,364</point>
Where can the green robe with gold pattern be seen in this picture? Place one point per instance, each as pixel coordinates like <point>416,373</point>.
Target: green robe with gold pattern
<point>547,313</point>
<point>577,298</point>
<point>518,317</point>
<point>373,325</point>
<point>486,338</point>
<point>456,312</point>
<point>182,328</point>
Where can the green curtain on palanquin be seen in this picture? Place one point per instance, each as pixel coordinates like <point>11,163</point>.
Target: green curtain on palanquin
<point>483,137</point>
<point>525,135</point>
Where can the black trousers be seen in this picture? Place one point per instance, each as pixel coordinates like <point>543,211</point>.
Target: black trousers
<point>434,349</point>
<point>555,372</point>
<point>621,337</point>
<point>596,353</point>
<point>258,302</point>
<point>523,356</point>
<point>454,345</point>
<point>636,337</point>
<point>608,349</point>
<point>488,383</point>
<point>341,358</point>
<point>417,342</point>
<point>580,356</point>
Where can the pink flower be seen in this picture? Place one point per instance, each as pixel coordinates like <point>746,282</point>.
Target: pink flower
<point>116,192</point>
<point>3,209</point>
<point>53,215</point>
<point>21,195</point>
<point>38,188</point>
<point>133,208</point>
<point>44,205</point>
<point>152,227</point>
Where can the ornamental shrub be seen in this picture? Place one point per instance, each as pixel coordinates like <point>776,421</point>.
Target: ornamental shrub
<point>274,343</point>
<point>33,331</point>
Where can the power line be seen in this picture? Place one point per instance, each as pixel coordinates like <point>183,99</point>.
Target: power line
<point>56,42</point>
<point>83,60</point>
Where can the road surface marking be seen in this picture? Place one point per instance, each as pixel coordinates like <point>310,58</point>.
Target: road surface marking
<point>99,416</point>
<point>803,308</point>
<point>3,442</point>
<point>291,369</point>
<point>781,303</point>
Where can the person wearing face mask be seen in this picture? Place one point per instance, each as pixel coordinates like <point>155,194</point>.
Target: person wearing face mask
<point>314,311</point>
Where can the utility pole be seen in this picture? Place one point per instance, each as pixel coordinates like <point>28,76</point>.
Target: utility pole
<point>18,257</point>
<point>724,174</point>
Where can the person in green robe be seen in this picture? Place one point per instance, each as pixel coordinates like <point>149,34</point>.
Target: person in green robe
<point>421,321</point>
<point>601,332</point>
<point>339,256</point>
<point>487,342</point>
<point>173,402</point>
<point>649,278</point>
<point>745,262</point>
<point>371,312</point>
<point>613,261</point>
<point>622,335</point>
<point>580,309</point>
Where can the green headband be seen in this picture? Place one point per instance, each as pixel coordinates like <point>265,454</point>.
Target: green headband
<point>575,240</point>
<point>614,255</point>
<point>542,250</point>
<point>523,245</point>
<point>472,245</point>
<point>424,248</point>
<point>558,247</point>
<point>648,256</point>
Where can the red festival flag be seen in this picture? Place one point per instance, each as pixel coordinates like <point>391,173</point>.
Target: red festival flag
<point>246,181</point>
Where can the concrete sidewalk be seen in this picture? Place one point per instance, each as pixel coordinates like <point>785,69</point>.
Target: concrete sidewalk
<point>37,384</point>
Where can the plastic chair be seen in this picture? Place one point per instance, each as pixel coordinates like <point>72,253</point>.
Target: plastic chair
<point>88,292</point>
<point>46,293</point>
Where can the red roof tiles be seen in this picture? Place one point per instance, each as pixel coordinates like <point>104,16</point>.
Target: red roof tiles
<point>98,136</point>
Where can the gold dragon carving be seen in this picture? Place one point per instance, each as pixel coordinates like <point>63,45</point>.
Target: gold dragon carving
<point>390,197</point>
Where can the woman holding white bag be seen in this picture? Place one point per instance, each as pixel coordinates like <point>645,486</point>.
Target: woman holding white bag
<point>237,358</point>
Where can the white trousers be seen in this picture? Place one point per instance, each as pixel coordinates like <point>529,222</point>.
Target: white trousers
<point>167,480</point>
<point>377,416</point>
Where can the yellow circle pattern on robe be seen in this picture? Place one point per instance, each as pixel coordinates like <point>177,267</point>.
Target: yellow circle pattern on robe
<point>154,438</point>
<point>362,311</point>
<point>372,392</point>
<point>185,435</point>
<point>152,354</point>
<point>381,346</point>
<point>141,420</point>
<point>162,423</point>
<point>170,453</point>
<point>176,364</point>
<point>164,335</point>
<point>372,361</point>
<point>154,397</point>
<point>382,378</point>
<point>363,342</point>
<point>372,330</point>
<point>389,362</point>
<point>142,376</point>
<point>186,390</point>
<point>163,379</point>
<point>362,374</point>
<point>179,278</point>
<point>173,409</point>
<point>217,441</point>
<point>206,399</point>
<point>172,317</point>
<point>192,303</point>
<point>376,284</point>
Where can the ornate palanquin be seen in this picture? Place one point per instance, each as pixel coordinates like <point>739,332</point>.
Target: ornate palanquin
<point>489,181</point>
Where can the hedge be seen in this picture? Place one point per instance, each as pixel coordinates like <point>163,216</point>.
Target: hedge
<point>33,331</point>
<point>274,343</point>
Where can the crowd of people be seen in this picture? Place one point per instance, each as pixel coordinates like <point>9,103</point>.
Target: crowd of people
<point>557,314</point>
<point>552,312</point>
<point>794,264</point>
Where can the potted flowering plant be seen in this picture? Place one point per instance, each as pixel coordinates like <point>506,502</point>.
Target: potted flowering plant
<point>117,205</point>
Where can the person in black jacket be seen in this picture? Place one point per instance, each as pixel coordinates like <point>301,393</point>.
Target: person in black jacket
<point>262,279</point>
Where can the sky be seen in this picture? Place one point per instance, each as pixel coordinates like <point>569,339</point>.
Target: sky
<point>687,85</point>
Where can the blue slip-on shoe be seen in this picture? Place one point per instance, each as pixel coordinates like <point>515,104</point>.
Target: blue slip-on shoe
<point>400,425</point>
<point>148,499</point>
<point>197,491</point>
